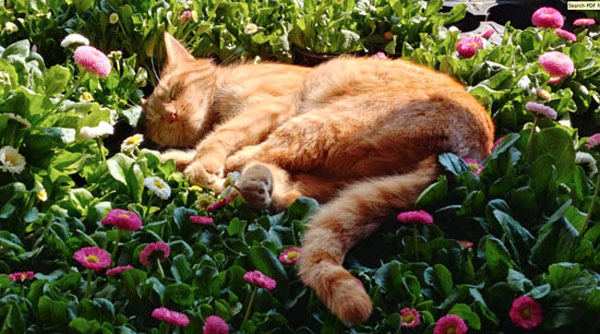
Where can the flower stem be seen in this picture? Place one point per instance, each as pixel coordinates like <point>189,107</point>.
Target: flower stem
<point>99,142</point>
<point>13,133</point>
<point>311,297</point>
<point>250,304</point>
<point>149,206</point>
<point>88,284</point>
<point>589,213</point>
<point>71,90</point>
<point>114,252</point>
<point>416,243</point>
<point>528,149</point>
<point>161,272</point>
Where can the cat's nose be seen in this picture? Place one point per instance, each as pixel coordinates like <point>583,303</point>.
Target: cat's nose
<point>172,116</point>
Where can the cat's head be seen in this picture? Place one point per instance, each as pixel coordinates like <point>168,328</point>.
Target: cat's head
<point>177,111</point>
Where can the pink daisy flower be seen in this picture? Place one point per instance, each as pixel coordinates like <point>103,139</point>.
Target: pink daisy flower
<point>170,317</point>
<point>566,34</point>
<point>541,109</point>
<point>450,324</point>
<point>123,219</point>
<point>184,16</point>
<point>154,250</point>
<point>219,204</point>
<point>260,279</point>
<point>202,220</point>
<point>21,276</point>
<point>584,22</point>
<point>547,17</point>
<point>410,317</point>
<point>526,313</point>
<point>475,166</point>
<point>466,244</point>
<point>488,33</point>
<point>93,60</point>
<point>468,46</point>
<point>418,216</point>
<point>379,55</point>
<point>118,270</point>
<point>290,255</point>
<point>215,325</point>
<point>593,141</point>
<point>93,258</point>
<point>557,63</point>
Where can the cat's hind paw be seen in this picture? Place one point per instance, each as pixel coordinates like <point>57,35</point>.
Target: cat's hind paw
<point>256,186</point>
<point>182,158</point>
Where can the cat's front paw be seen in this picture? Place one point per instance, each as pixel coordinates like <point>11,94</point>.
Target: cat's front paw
<point>256,186</point>
<point>243,157</point>
<point>182,158</point>
<point>198,175</point>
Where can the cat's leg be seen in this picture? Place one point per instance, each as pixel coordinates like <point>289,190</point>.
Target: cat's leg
<point>269,186</point>
<point>250,127</point>
<point>341,223</point>
<point>182,158</point>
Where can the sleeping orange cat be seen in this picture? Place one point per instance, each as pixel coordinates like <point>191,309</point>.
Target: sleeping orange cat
<point>361,135</point>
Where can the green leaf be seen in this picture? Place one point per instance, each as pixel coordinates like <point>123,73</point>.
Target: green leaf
<point>179,294</point>
<point>433,194</point>
<point>440,278</point>
<point>133,115</point>
<point>497,257</point>
<point>465,312</point>
<point>56,79</point>
<point>52,312</point>
<point>518,282</point>
<point>556,242</point>
<point>14,323</point>
<point>118,165</point>
<point>453,163</point>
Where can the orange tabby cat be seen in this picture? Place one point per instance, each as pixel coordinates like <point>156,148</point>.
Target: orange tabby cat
<point>361,134</point>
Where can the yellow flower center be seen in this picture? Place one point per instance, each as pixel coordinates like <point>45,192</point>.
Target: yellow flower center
<point>475,45</point>
<point>159,184</point>
<point>292,255</point>
<point>408,318</point>
<point>92,259</point>
<point>548,15</point>
<point>133,140</point>
<point>11,160</point>
<point>23,277</point>
<point>451,330</point>
<point>42,195</point>
<point>526,313</point>
<point>124,215</point>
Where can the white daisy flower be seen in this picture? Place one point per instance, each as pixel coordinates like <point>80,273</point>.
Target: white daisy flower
<point>11,160</point>
<point>158,186</point>
<point>584,158</point>
<point>18,118</point>
<point>74,39</point>
<point>10,27</point>
<point>132,142</point>
<point>113,18</point>
<point>86,97</point>
<point>98,131</point>
<point>250,29</point>
<point>230,184</point>
<point>42,195</point>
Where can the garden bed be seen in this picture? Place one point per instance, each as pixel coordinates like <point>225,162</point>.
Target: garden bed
<point>514,240</point>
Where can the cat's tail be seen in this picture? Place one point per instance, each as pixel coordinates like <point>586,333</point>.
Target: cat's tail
<point>341,223</point>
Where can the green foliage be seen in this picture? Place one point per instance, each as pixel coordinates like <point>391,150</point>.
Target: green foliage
<point>527,214</point>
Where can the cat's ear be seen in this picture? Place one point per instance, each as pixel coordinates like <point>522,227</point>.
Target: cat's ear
<point>176,53</point>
